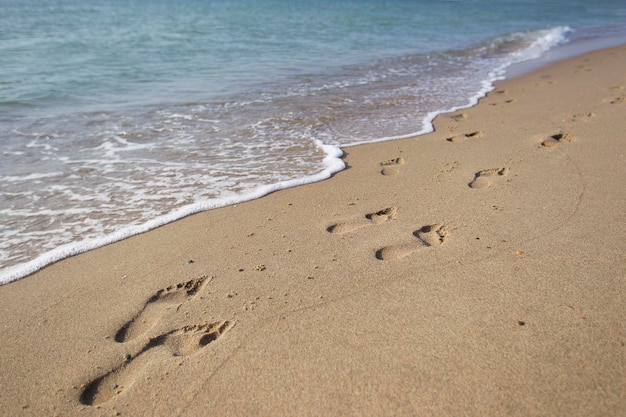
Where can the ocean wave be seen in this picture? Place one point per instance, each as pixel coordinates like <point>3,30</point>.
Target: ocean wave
<point>332,163</point>
<point>111,175</point>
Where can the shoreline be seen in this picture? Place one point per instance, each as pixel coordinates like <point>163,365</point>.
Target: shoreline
<point>474,270</point>
<point>571,49</point>
<point>331,164</point>
<point>75,238</point>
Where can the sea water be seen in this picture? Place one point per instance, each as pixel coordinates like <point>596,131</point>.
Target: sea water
<point>119,116</point>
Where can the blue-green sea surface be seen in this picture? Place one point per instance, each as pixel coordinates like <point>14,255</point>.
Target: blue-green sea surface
<point>119,116</point>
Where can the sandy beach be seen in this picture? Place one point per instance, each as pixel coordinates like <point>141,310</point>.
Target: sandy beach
<point>479,270</point>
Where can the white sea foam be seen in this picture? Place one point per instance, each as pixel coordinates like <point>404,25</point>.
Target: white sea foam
<point>154,166</point>
<point>332,163</point>
<point>538,42</point>
<point>30,177</point>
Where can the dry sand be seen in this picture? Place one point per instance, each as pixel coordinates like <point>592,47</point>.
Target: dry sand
<point>476,271</point>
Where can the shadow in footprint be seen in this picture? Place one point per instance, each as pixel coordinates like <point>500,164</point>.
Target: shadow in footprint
<point>459,117</point>
<point>461,138</point>
<point>382,216</point>
<point>485,178</point>
<point>556,140</point>
<point>428,236</point>
<point>180,342</point>
<point>156,305</point>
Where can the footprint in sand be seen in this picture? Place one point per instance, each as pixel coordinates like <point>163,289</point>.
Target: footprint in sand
<point>502,93</point>
<point>618,96</point>
<point>390,167</point>
<point>511,101</point>
<point>156,306</point>
<point>382,216</point>
<point>582,117</point>
<point>484,178</point>
<point>556,140</point>
<point>428,236</point>
<point>461,138</point>
<point>181,342</point>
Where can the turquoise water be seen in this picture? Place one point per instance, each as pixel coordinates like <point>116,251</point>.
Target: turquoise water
<point>119,116</point>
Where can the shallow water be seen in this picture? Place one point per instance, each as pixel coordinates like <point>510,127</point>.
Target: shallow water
<point>117,117</point>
